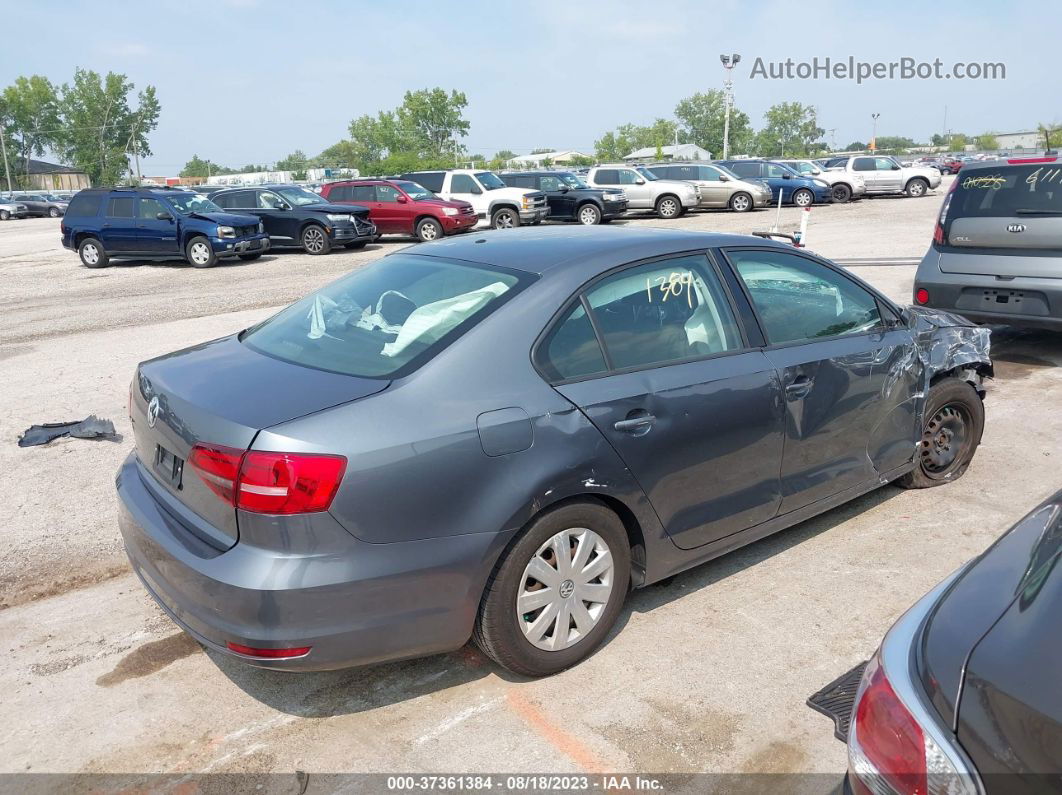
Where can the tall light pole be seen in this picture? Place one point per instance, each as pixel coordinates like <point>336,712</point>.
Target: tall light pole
<point>729,62</point>
<point>874,134</point>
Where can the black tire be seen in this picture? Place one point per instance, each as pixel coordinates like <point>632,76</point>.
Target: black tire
<point>497,631</point>
<point>916,187</point>
<point>92,253</point>
<point>841,193</point>
<point>53,212</point>
<point>249,257</point>
<point>428,229</point>
<point>668,206</point>
<point>741,202</point>
<point>356,244</point>
<point>505,218</point>
<point>802,197</point>
<point>199,253</point>
<point>4,215</point>
<point>315,240</point>
<point>588,214</point>
<point>953,409</point>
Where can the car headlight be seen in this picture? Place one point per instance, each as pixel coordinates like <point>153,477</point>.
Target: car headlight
<point>226,231</point>
<point>339,217</point>
<point>450,211</point>
<point>528,202</point>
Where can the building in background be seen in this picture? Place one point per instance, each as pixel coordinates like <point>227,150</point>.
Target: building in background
<point>44,176</point>
<point>1032,139</point>
<point>559,158</point>
<point>676,152</point>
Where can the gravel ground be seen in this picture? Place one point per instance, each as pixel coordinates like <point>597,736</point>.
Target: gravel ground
<point>709,672</point>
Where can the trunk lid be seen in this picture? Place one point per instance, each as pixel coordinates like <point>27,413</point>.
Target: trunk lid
<point>222,393</point>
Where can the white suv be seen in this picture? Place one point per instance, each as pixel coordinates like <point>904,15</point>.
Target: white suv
<point>645,191</point>
<point>496,204</point>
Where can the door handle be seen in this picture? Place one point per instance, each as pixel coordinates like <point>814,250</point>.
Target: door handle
<point>644,421</point>
<point>799,388</point>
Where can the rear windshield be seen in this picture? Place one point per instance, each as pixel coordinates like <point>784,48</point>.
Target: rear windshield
<point>1034,189</point>
<point>387,318</point>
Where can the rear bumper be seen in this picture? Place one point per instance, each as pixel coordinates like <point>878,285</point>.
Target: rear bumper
<point>1024,302</point>
<point>352,602</point>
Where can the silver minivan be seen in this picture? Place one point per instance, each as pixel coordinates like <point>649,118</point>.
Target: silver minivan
<point>720,187</point>
<point>996,255</point>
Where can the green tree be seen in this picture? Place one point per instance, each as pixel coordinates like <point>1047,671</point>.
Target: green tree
<point>101,130</point>
<point>625,139</point>
<point>987,142</point>
<point>343,154</point>
<point>790,131</point>
<point>957,142</point>
<point>31,106</point>
<point>894,143</point>
<point>296,162</point>
<point>607,148</point>
<point>703,117</point>
<point>938,140</point>
<point>197,167</point>
<point>855,146</point>
<point>504,155</point>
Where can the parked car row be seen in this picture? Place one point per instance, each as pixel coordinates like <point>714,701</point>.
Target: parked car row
<point>29,204</point>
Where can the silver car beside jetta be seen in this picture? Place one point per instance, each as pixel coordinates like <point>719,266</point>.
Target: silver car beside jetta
<point>497,436</point>
<point>720,187</point>
<point>645,190</point>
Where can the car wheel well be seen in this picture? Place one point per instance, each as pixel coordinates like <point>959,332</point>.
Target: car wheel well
<point>426,217</point>
<point>973,374</point>
<point>585,202</point>
<point>503,206</point>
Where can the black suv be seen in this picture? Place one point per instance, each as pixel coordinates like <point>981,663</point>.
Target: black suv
<point>294,216</point>
<point>569,197</point>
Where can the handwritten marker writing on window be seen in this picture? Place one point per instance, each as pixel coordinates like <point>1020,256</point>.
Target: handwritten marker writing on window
<point>671,285</point>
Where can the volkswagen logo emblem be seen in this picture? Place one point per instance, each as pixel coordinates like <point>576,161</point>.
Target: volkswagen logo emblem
<point>153,411</point>
<point>567,588</point>
<point>1016,228</point>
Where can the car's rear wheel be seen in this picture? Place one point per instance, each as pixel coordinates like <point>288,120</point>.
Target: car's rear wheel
<point>741,202</point>
<point>315,240</point>
<point>803,198</point>
<point>53,212</point>
<point>589,215</point>
<point>92,254</point>
<point>916,187</point>
<point>505,218</point>
<point>428,229</point>
<point>841,193</point>
<point>668,206</point>
<point>200,254</point>
<point>4,215</point>
<point>954,421</point>
<point>556,592</point>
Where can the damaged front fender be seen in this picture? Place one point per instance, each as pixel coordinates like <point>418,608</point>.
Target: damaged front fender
<point>948,342</point>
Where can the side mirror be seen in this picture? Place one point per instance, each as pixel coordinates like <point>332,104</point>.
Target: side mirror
<point>563,188</point>
<point>895,167</point>
<point>724,178</point>
<point>163,217</point>
<point>401,199</point>
<point>787,176</point>
<point>283,206</point>
<point>639,181</point>
<point>477,190</point>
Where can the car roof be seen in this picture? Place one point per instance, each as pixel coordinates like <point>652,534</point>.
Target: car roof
<point>590,248</point>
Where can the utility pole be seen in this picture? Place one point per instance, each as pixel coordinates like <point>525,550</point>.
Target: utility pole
<point>874,134</point>
<point>729,62</point>
<point>945,130</point>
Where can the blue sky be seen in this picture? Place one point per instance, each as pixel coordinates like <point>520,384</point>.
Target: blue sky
<point>244,81</point>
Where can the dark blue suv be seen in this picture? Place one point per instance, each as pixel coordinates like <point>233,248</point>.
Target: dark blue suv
<point>157,223</point>
<point>794,187</point>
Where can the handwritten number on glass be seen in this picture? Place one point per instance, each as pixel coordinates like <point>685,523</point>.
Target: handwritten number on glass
<point>671,286</point>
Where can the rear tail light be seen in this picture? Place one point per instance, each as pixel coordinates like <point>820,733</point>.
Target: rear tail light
<point>268,482</point>
<point>1033,160</point>
<point>268,654</point>
<point>922,295</point>
<point>938,231</point>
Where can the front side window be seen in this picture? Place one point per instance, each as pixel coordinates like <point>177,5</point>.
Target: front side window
<point>886,164</point>
<point>415,191</point>
<point>462,183</point>
<point>663,312</point>
<point>300,197</point>
<point>267,200</point>
<point>489,180</point>
<point>549,183</point>
<point>628,177</point>
<point>799,299</point>
<point>379,319</point>
<point>571,349</point>
<point>149,209</point>
<point>571,180</point>
<point>386,193</point>
<point>188,203</point>
<point>776,171</point>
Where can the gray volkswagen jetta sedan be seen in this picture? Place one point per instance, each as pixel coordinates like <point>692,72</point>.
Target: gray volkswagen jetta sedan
<point>498,436</point>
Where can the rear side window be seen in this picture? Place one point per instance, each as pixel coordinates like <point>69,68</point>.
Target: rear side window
<point>571,349</point>
<point>120,207</point>
<point>746,169</point>
<point>607,176</point>
<point>1029,190</point>
<point>670,172</point>
<point>863,164</point>
<point>85,205</point>
<point>387,318</point>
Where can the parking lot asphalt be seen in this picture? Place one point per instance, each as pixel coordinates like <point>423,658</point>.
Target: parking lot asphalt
<point>706,672</point>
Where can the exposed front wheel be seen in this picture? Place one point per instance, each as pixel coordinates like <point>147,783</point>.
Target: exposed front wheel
<point>92,254</point>
<point>951,432</point>
<point>315,240</point>
<point>428,230</point>
<point>53,212</point>
<point>505,218</point>
<point>668,207</point>
<point>199,253</point>
<point>556,592</point>
<point>741,202</point>
<point>916,187</point>
<point>4,215</point>
<point>841,193</point>
<point>803,198</point>
<point>589,215</point>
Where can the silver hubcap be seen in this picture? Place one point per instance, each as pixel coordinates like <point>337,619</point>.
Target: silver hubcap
<point>668,208</point>
<point>565,589</point>
<point>428,232</point>
<point>313,239</point>
<point>803,199</point>
<point>200,253</point>
<point>588,216</point>
<point>917,189</point>
<point>91,254</point>
<point>741,203</point>
<point>504,221</point>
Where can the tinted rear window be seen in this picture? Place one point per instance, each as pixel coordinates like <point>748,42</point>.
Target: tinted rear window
<point>1034,189</point>
<point>385,319</point>
<point>85,205</point>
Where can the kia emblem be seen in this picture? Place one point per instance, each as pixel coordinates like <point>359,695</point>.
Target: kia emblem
<point>1016,228</point>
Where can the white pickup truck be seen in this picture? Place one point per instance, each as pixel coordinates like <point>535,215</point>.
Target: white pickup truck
<point>496,204</point>
<point>883,174</point>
